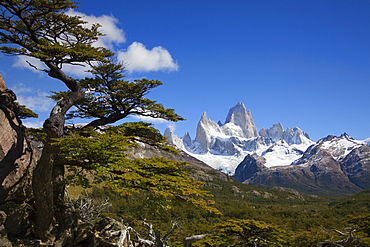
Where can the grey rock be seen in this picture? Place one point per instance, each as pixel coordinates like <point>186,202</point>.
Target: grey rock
<point>4,241</point>
<point>187,140</point>
<point>356,165</point>
<point>275,132</point>
<point>294,136</point>
<point>290,135</point>
<point>18,221</point>
<point>204,127</point>
<point>249,167</point>
<point>17,155</point>
<point>221,146</point>
<point>239,116</point>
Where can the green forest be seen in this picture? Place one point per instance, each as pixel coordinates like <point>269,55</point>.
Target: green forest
<point>250,216</point>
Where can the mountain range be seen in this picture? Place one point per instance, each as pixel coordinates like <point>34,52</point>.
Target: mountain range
<point>224,146</point>
<point>334,166</point>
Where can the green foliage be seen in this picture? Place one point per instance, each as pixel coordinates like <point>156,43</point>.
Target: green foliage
<point>142,132</point>
<point>104,153</point>
<point>8,98</point>
<point>352,205</point>
<point>42,30</point>
<point>362,223</point>
<point>245,233</point>
<point>110,98</point>
<point>308,238</point>
<point>23,112</point>
<point>37,134</point>
<point>305,220</point>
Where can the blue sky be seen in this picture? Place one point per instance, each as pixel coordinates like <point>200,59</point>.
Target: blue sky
<point>300,63</point>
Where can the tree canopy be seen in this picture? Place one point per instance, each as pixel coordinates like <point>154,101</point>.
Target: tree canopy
<point>110,98</point>
<point>104,152</point>
<point>242,232</point>
<point>41,29</point>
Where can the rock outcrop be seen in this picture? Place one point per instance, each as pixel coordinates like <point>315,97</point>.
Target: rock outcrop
<point>239,116</point>
<point>275,132</point>
<point>356,166</point>
<point>2,84</point>
<point>17,161</point>
<point>251,165</point>
<point>203,137</point>
<point>290,135</point>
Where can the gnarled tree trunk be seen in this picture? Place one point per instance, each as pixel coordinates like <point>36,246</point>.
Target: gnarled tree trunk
<point>48,176</point>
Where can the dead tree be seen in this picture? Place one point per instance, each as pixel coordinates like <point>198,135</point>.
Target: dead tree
<point>349,238</point>
<point>188,241</point>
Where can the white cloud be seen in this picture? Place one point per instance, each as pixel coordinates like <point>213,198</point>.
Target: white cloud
<point>35,99</point>
<point>150,119</point>
<point>76,70</point>
<point>33,124</point>
<point>113,34</point>
<point>171,126</point>
<point>38,102</point>
<point>139,58</point>
<point>21,63</point>
<point>21,88</point>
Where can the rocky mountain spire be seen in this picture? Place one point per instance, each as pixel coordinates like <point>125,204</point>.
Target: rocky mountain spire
<point>227,144</point>
<point>239,116</point>
<point>290,135</point>
<point>275,132</point>
<point>204,127</point>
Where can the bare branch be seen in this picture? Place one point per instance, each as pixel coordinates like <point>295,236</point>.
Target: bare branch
<point>190,240</point>
<point>33,66</point>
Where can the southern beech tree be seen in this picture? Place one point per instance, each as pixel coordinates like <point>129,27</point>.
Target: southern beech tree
<point>110,98</point>
<point>102,154</point>
<point>41,29</point>
<point>242,232</point>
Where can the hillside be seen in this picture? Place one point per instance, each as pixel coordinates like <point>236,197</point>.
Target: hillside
<point>278,206</point>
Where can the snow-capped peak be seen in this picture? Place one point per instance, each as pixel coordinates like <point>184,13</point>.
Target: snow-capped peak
<point>239,116</point>
<point>338,147</point>
<point>366,141</point>
<point>224,146</point>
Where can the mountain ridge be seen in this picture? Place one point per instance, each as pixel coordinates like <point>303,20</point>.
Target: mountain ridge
<point>223,146</point>
<point>332,166</point>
